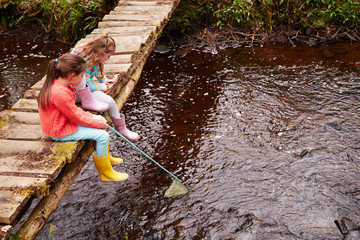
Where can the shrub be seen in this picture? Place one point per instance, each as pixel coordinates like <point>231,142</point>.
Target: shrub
<point>70,19</point>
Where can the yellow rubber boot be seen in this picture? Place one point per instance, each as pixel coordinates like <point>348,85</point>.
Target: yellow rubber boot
<point>103,165</point>
<point>114,160</point>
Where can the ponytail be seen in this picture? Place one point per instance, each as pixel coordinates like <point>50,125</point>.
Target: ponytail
<point>61,67</point>
<point>44,95</point>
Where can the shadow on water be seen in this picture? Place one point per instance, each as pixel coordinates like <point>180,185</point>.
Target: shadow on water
<point>266,140</point>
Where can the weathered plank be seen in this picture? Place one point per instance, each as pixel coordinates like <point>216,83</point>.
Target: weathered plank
<point>31,94</point>
<point>141,15</point>
<point>145,3</point>
<point>24,183</point>
<point>120,59</point>
<point>23,165</point>
<point>116,68</point>
<point>22,147</point>
<point>126,31</point>
<point>22,132</point>
<point>27,105</point>
<point>114,24</point>
<point>25,117</point>
<point>122,16</point>
<point>8,116</point>
<point>39,84</point>
<point>129,44</point>
<point>142,9</point>
<point>11,203</point>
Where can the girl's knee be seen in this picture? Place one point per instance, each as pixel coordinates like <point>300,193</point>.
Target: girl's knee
<point>112,104</point>
<point>104,137</point>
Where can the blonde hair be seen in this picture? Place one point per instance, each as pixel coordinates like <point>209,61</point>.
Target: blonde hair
<point>95,49</point>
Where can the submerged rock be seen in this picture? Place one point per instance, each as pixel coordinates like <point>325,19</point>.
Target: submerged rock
<point>159,48</point>
<point>347,227</point>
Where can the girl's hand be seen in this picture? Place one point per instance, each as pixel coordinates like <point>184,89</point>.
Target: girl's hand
<point>107,81</point>
<point>105,126</point>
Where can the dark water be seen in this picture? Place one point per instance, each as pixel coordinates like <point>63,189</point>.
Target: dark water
<point>23,62</point>
<point>266,139</point>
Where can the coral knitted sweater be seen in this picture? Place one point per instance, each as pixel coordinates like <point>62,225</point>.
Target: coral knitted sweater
<point>62,116</point>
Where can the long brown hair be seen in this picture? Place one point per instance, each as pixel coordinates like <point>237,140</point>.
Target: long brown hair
<point>96,48</point>
<point>61,67</point>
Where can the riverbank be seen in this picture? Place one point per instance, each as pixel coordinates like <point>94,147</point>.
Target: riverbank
<point>214,38</point>
<point>199,23</point>
<point>30,33</point>
<point>283,35</point>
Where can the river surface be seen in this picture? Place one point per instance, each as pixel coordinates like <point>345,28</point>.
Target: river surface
<point>23,62</point>
<point>266,139</point>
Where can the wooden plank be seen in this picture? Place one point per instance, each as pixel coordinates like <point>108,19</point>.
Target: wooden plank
<point>39,84</point>
<point>129,45</point>
<point>23,117</point>
<point>120,59</point>
<point>26,117</point>
<point>31,94</point>
<point>145,12</point>
<point>145,3</point>
<point>11,203</point>
<point>143,9</point>
<point>124,44</point>
<point>114,24</point>
<point>125,31</point>
<point>119,40</point>
<point>130,17</point>
<point>59,153</point>
<point>24,183</point>
<point>116,68</point>
<point>20,147</point>
<point>22,132</point>
<point>24,166</point>
<point>28,105</point>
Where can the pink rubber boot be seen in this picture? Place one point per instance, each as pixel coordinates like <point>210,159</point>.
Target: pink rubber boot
<point>89,102</point>
<point>120,126</point>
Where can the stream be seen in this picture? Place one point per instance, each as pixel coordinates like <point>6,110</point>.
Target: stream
<point>266,139</point>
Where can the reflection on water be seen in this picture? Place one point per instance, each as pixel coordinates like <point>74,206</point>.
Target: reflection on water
<point>23,62</point>
<point>267,140</point>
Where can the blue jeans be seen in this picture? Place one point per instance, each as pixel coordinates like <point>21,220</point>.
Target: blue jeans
<point>101,137</point>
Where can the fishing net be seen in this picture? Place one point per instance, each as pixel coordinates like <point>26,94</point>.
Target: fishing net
<point>176,188</point>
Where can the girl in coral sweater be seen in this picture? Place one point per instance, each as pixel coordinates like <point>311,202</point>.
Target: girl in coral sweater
<point>62,120</point>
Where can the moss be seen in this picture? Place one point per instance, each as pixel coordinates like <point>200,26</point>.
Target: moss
<point>23,103</point>
<point>64,150</point>
<point>61,152</point>
<point>24,192</point>
<point>44,189</point>
<point>157,24</point>
<point>4,122</point>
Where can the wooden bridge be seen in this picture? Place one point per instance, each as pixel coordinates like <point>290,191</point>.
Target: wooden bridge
<point>32,166</point>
